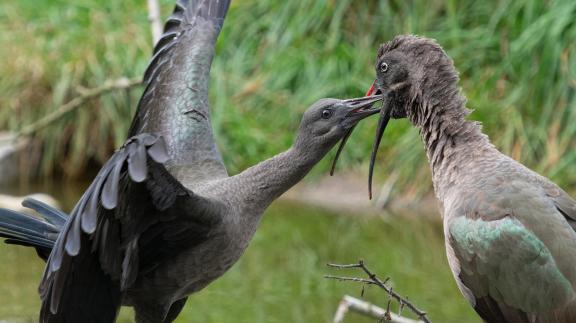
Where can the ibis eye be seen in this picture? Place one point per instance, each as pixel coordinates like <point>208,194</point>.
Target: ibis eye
<point>383,67</point>
<point>326,114</point>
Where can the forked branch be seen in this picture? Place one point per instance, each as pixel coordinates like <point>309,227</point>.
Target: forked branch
<point>374,280</point>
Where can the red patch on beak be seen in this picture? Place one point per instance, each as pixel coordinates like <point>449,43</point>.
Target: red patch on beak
<point>371,89</point>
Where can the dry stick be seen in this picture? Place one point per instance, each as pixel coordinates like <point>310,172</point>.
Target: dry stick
<point>349,303</point>
<point>154,19</point>
<point>110,85</point>
<point>374,280</point>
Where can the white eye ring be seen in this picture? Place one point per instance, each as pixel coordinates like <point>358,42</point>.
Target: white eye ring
<point>326,114</point>
<point>383,67</point>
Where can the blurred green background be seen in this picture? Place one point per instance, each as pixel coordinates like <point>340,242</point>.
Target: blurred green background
<point>274,58</point>
<point>517,61</point>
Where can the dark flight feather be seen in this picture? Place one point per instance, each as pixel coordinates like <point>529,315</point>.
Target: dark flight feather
<point>93,235</point>
<point>182,20</point>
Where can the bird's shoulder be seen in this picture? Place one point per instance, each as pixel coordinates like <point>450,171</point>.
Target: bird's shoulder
<point>517,199</point>
<point>503,186</point>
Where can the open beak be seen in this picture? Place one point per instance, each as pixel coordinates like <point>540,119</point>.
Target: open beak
<point>358,109</point>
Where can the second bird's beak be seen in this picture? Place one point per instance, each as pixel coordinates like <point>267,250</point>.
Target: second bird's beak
<point>358,109</point>
<point>371,89</point>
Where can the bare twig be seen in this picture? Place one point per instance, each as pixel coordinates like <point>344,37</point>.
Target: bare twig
<point>154,19</point>
<point>352,279</point>
<point>374,280</point>
<point>87,94</point>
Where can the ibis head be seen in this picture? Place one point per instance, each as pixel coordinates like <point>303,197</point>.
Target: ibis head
<point>412,73</point>
<point>329,120</point>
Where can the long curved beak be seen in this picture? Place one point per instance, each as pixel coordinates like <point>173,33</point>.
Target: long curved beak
<point>385,113</point>
<point>359,108</point>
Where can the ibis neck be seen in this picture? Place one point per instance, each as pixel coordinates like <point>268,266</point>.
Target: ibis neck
<point>452,143</point>
<point>261,184</point>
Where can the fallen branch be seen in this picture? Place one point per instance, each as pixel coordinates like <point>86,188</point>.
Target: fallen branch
<point>349,303</point>
<point>110,85</point>
<point>374,280</point>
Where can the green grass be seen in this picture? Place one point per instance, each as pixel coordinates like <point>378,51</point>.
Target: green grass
<point>517,59</point>
<point>280,277</point>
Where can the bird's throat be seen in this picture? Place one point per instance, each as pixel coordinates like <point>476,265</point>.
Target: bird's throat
<point>261,184</point>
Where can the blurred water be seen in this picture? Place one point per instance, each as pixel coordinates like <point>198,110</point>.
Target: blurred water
<point>281,273</point>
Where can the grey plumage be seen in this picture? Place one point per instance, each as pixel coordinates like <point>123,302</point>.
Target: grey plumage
<point>162,219</point>
<point>510,236</point>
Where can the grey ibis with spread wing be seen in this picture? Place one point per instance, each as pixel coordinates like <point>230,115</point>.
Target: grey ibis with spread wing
<point>162,219</point>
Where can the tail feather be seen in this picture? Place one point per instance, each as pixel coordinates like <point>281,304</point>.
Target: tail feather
<point>25,221</point>
<point>27,243</point>
<point>52,215</point>
<point>26,230</point>
<point>18,233</point>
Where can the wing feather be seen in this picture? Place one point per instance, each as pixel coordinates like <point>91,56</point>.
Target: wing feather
<point>92,236</point>
<point>184,19</point>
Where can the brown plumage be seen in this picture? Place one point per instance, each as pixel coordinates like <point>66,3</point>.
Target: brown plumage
<point>509,232</point>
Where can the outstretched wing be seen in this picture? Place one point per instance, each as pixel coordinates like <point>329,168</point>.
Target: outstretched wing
<point>130,218</point>
<point>98,252</point>
<point>175,101</point>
